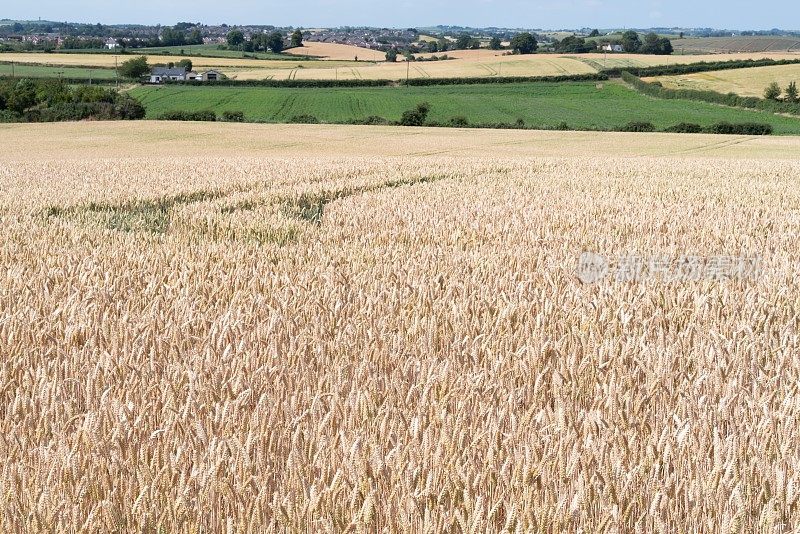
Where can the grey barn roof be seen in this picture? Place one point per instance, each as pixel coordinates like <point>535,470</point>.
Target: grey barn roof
<point>163,71</point>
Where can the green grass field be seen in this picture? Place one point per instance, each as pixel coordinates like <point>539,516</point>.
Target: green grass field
<point>44,71</point>
<point>580,105</point>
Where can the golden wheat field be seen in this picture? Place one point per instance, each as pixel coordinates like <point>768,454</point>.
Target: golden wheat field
<point>745,82</point>
<point>264,328</point>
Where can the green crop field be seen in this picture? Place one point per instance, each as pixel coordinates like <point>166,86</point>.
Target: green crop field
<point>44,71</point>
<point>580,105</point>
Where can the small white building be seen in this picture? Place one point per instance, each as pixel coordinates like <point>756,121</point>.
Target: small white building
<point>112,43</point>
<point>608,47</point>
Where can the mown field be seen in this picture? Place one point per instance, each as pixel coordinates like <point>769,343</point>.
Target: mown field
<point>715,45</point>
<point>580,105</point>
<point>245,328</point>
<point>745,82</point>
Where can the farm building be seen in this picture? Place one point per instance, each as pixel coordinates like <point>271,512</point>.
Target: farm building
<point>608,47</point>
<point>164,74</point>
<point>209,76</point>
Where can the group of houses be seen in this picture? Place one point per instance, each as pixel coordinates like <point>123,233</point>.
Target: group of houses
<point>179,74</point>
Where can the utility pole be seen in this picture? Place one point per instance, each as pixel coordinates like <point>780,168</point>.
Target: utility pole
<point>12,70</point>
<point>116,71</point>
<point>408,69</point>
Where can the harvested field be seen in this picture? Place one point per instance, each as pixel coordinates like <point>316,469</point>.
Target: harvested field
<point>716,45</point>
<point>336,51</point>
<point>744,82</point>
<point>221,327</point>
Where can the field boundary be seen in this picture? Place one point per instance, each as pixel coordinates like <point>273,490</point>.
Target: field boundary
<point>731,99</point>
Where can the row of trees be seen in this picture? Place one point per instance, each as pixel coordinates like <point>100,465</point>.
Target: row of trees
<point>652,44</point>
<point>790,94</point>
<point>522,43</point>
<point>273,42</point>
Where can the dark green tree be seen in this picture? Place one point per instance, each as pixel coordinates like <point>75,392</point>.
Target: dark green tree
<point>791,93</point>
<point>185,63</point>
<point>235,38</point>
<point>495,44</point>
<point>595,33</point>
<point>275,42</point>
<point>172,37</point>
<point>463,41</point>
<point>134,68</point>
<point>773,91</point>
<point>194,38</point>
<point>22,97</point>
<point>297,39</point>
<point>391,55</point>
<point>630,41</point>
<point>524,43</point>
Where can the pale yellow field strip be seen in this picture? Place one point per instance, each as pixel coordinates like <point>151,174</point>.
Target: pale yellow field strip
<point>337,51</point>
<point>140,139</point>
<point>744,82</point>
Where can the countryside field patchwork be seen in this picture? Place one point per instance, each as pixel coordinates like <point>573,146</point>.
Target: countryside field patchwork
<point>221,327</point>
<point>341,64</point>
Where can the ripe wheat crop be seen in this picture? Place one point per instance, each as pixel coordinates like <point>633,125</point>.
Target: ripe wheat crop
<point>323,343</point>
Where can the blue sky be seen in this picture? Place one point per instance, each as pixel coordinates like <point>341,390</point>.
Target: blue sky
<point>731,14</point>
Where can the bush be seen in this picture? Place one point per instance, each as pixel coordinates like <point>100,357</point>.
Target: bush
<point>685,127</point>
<point>8,116</point>
<point>128,108</point>
<point>198,116</point>
<point>459,122</point>
<point>304,119</point>
<point>374,120</point>
<point>562,126</point>
<point>746,128</point>
<point>233,116</point>
<point>638,126</point>
<point>416,116</point>
<point>772,92</point>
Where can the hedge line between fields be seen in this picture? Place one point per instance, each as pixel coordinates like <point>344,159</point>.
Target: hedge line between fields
<point>416,82</point>
<point>461,122</point>
<point>703,66</point>
<point>713,97</point>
